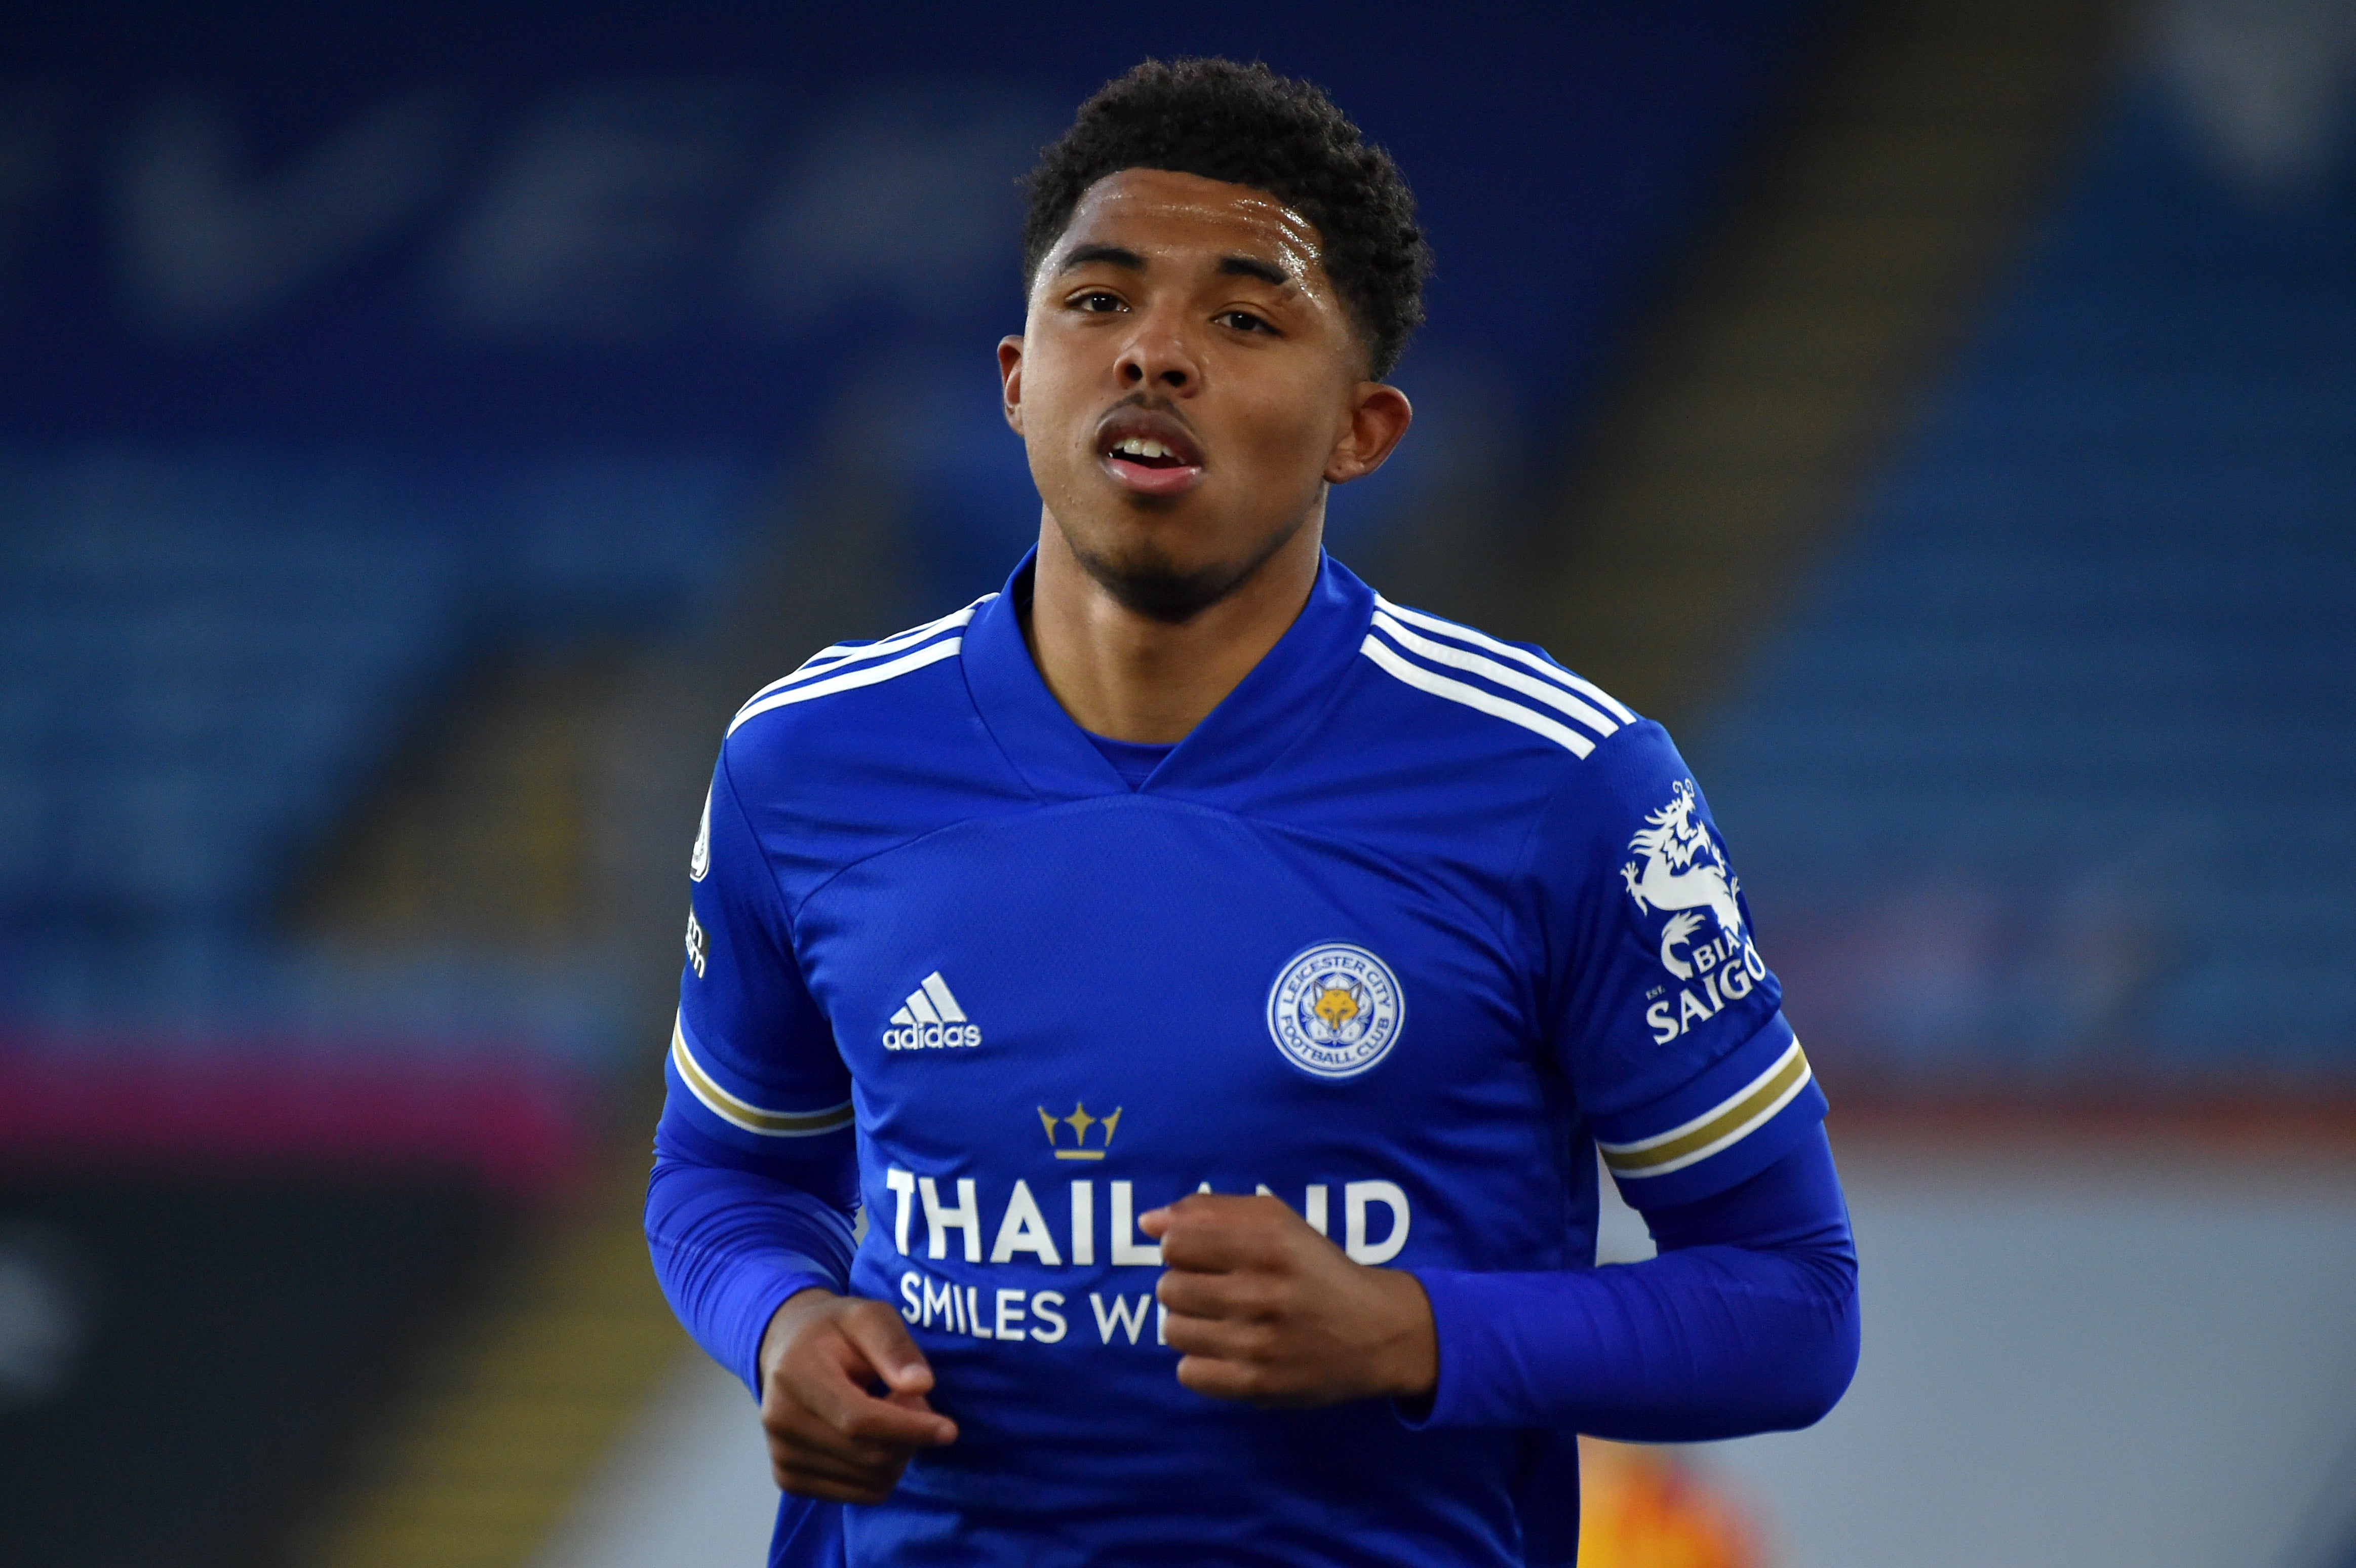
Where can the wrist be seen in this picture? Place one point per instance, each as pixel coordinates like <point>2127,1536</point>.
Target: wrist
<point>786,1321</point>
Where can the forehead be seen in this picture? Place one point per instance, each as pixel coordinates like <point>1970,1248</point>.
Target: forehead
<point>1161,211</point>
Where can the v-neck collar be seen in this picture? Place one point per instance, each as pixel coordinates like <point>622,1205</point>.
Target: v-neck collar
<point>1239,740</point>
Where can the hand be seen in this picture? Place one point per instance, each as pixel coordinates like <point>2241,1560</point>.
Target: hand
<point>829,1436</point>
<point>1267,1310</point>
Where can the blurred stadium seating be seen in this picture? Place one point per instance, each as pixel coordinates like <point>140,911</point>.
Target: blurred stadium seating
<point>207,661</point>
<point>2048,782</point>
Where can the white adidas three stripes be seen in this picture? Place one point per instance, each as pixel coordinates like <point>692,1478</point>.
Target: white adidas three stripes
<point>846,666</point>
<point>1409,657</point>
<point>1545,699</point>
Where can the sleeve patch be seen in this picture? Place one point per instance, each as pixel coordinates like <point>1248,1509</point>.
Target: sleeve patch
<point>742,1114</point>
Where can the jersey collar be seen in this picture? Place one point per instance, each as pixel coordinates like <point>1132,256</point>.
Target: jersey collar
<point>1268,713</point>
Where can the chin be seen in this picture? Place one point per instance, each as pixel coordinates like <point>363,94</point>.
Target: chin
<point>1148,582</point>
<point>1146,579</point>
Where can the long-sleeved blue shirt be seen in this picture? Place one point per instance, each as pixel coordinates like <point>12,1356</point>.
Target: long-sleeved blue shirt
<point>1408,931</point>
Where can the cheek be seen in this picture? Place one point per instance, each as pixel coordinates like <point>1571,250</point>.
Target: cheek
<point>1044,422</point>
<point>1055,423</point>
<point>1058,446</point>
<point>1287,433</point>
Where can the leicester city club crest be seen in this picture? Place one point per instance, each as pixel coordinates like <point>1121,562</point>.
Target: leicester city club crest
<point>1336,1010</point>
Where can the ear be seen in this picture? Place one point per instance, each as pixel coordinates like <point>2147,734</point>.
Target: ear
<point>1010,380</point>
<point>1379,416</point>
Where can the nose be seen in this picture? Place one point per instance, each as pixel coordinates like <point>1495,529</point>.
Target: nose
<point>1158,356</point>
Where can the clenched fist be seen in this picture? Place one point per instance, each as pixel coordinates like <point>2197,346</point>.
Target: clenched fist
<point>830,1434</point>
<point>1267,1310</point>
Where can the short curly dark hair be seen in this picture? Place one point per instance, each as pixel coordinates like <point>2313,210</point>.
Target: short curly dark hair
<point>1246,125</point>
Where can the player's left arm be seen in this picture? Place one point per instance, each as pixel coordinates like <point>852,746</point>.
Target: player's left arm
<point>1667,1020</point>
<point>1747,1321</point>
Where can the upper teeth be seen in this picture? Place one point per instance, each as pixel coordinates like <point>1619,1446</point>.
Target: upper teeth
<point>1138,446</point>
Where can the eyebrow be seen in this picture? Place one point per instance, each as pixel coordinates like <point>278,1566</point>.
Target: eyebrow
<point>1253,267</point>
<point>1111,255</point>
<point>1118,257</point>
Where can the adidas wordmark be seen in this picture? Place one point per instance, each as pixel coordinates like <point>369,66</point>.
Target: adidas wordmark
<point>930,1017</point>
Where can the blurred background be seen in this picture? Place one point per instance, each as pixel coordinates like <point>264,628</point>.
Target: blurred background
<point>422,426</point>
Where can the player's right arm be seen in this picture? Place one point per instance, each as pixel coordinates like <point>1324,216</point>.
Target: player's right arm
<point>750,1207</point>
<point>831,1436</point>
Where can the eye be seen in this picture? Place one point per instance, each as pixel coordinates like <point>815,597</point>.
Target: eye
<point>1243,321</point>
<point>1097,302</point>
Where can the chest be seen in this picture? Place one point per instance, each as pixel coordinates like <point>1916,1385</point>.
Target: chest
<point>1181,990</point>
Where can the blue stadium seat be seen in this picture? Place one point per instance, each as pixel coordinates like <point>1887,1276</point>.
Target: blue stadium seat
<point>2074,703</point>
<point>204,659</point>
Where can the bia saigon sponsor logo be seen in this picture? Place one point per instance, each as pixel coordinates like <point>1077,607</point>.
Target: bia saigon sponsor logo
<point>1682,872</point>
<point>1336,1010</point>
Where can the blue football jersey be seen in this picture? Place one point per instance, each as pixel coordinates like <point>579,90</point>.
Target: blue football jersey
<point>1407,930</point>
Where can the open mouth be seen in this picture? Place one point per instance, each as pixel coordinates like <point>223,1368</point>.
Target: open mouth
<point>1148,453</point>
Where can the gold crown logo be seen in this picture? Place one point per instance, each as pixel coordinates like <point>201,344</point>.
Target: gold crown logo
<point>1079,1121</point>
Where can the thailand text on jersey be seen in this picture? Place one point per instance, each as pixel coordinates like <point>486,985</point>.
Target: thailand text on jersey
<point>1409,927</point>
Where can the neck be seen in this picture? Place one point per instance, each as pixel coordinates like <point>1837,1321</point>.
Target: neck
<point>1129,677</point>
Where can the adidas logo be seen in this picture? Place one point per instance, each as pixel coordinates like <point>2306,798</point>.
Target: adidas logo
<point>930,1017</point>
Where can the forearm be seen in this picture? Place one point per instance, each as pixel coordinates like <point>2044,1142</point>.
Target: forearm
<point>729,1245</point>
<point>1716,1337</point>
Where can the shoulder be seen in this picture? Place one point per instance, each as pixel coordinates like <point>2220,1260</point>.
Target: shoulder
<point>1489,700</point>
<point>1451,746</point>
<point>854,696</point>
<point>865,746</point>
